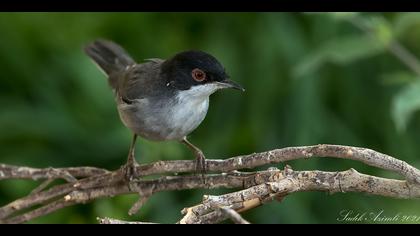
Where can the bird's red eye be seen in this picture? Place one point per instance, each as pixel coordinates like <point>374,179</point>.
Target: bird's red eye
<point>198,75</point>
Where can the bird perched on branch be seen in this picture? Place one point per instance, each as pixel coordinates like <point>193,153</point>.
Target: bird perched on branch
<point>161,99</point>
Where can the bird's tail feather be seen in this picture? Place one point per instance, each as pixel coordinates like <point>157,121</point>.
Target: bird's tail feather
<point>109,56</point>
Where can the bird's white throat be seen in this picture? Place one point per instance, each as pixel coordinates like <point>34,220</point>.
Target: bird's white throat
<point>198,92</point>
<point>192,104</point>
<point>189,109</point>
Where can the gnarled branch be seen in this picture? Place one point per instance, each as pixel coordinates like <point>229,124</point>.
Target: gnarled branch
<point>86,184</point>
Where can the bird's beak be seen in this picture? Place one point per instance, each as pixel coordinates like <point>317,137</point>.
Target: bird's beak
<point>227,83</point>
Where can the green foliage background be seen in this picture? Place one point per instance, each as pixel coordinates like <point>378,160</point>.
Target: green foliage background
<point>310,78</point>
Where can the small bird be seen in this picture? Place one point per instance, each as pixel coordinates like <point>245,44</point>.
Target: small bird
<point>160,99</point>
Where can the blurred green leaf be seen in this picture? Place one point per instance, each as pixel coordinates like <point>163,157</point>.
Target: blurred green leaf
<point>405,104</point>
<point>343,15</point>
<point>398,77</point>
<point>404,22</point>
<point>382,30</point>
<point>340,50</point>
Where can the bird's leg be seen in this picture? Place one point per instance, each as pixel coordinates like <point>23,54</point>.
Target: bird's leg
<point>200,166</point>
<point>130,168</point>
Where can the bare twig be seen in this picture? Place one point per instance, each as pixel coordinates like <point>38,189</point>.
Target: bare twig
<point>258,187</point>
<point>234,216</point>
<point>42,186</point>
<point>107,220</point>
<point>136,207</point>
<point>69,174</point>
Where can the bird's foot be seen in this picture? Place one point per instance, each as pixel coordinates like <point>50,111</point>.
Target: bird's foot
<point>130,171</point>
<point>200,165</point>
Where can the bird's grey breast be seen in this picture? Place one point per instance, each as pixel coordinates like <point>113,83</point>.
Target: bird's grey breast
<point>186,114</point>
<point>164,119</point>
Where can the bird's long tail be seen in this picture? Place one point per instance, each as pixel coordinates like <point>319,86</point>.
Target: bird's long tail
<point>109,56</point>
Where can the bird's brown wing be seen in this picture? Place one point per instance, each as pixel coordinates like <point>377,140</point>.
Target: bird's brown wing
<point>140,80</point>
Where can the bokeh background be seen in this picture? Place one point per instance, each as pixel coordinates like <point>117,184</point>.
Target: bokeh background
<point>310,78</point>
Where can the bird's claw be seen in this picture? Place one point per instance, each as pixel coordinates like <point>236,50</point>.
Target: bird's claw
<point>200,165</point>
<point>130,171</point>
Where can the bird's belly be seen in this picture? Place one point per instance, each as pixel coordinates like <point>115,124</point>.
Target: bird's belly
<point>156,121</point>
<point>185,118</point>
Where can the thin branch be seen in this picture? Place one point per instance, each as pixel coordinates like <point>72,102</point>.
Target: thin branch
<point>234,216</point>
<point>58,191</point>
<point>69,174</point>
<point>364,155</point>
<point>107,220</point>
<point>42,186</point>
<point>137,205</point>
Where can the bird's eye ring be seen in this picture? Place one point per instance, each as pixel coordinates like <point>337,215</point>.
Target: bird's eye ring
<point>198,75</point>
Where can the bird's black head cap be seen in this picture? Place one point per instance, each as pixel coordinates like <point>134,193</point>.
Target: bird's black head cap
<point>190,68</point>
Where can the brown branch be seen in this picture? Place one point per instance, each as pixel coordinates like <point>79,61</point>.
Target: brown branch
<point>69,174</point>
<point>58,191</point>
<point>289,181</point>
<point>96,183</point>
<point>365,155</point>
